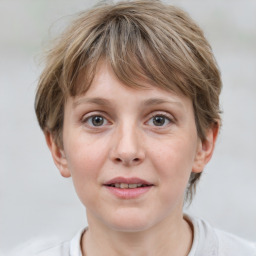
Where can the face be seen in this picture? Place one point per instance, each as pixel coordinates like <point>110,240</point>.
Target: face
<point>130,152</point>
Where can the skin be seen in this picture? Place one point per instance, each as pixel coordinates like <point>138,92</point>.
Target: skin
<point>128,143</point>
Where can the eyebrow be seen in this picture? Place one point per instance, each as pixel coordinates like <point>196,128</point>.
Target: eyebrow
<point>105,102</point>
<point>96,101</point>
<point>158,101</point>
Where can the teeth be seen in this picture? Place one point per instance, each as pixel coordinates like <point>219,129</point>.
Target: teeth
<point>133,185</point>
<point>125,185</point>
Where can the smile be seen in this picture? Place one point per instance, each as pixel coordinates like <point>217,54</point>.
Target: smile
<point>125,185</point>
<point>128,188</point>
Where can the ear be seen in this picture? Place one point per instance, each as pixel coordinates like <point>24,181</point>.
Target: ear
<point>205,148</point>
<point>58,155</point>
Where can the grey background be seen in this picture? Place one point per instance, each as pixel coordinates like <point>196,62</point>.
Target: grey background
<point>36,202</point>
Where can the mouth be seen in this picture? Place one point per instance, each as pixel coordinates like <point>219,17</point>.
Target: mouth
<point>128,188</point>
<point>126,183</point>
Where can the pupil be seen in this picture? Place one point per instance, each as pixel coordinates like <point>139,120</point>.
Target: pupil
<point>158,120</point>
<point>97,120</point>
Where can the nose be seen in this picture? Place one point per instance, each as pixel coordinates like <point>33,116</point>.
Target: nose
<point>127,147</point>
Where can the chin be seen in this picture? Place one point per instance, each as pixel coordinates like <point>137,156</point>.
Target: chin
<point>130,222</point>
<point>134,227</point>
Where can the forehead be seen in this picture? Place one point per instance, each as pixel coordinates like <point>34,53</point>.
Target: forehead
<point>89,76</point>
<point>106,89</point>
<point>104,71</point>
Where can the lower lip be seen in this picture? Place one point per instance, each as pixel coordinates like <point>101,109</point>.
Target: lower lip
<point>128,193</point>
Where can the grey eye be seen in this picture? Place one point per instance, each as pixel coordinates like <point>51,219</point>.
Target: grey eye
<point>159,120</point>
<point>97,120</point>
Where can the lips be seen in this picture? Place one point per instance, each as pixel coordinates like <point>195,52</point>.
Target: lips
<point>127,183</point>
<point>128,188</point>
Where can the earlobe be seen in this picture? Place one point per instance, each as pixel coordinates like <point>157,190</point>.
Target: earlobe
<point>58,155</point>
<point>205,148</point>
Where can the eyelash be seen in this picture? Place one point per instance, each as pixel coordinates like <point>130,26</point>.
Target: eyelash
<point>88,119</point>
<point>165,116</point>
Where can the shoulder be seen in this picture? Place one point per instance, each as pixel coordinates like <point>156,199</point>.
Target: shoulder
<point>46,247</point>
<point>42,248</point>
<point>229,243</point>
<point>214,242</point>
<point>59,250</point>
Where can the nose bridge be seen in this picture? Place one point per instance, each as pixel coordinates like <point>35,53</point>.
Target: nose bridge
<point>128,147</point>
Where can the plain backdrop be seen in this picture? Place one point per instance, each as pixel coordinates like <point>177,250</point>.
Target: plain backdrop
<point>36,202</point>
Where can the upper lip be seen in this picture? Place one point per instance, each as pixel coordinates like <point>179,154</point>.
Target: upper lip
<point>132,180</point>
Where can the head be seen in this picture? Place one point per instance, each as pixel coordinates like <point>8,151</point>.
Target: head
<point>143,42</point>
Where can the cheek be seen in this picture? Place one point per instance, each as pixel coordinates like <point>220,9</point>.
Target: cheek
<point>83,154</point>
<point>84,162</point>
<point>174,160</point>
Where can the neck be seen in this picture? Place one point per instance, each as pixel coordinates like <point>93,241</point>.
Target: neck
<point>162,239</point>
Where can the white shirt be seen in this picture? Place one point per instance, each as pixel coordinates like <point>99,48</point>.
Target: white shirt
<point>207,241</point>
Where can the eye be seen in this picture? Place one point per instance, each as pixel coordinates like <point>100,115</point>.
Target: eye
<point>159,120</point>
<point>95,121</point>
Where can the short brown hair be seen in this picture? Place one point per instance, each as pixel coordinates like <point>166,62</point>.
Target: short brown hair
<point>141,40</point>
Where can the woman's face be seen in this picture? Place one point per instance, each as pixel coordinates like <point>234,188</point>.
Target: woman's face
<point>130,152</point>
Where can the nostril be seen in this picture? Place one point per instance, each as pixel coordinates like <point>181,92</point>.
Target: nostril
<point>120,160</point>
